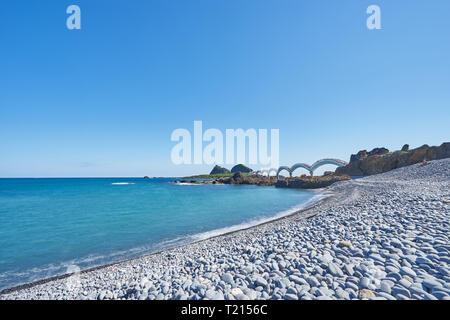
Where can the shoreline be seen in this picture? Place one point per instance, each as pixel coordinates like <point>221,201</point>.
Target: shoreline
<point>383,237</point>
<point>275,218</point>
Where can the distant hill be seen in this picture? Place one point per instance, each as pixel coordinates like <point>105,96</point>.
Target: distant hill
<point>219,170</point>
<point>241,168</point>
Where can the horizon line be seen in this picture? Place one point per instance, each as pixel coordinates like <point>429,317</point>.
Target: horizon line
<point>106,177</point>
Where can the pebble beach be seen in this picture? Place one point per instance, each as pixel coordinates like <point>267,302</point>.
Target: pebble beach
<point>382,237</point>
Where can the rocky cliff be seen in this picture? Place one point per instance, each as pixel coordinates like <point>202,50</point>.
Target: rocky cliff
<point>380,160</point>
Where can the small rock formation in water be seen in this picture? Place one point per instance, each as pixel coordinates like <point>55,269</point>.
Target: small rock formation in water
<point>380,160</point>
<point>219,170</point>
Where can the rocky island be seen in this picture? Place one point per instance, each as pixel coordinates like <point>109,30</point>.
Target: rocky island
<point>239,175</point>
<point>303,182</point>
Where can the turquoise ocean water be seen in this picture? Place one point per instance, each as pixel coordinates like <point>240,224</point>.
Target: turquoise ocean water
<point>47,225</point>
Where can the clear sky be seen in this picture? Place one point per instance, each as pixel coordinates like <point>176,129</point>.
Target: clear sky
<point>104,100</point>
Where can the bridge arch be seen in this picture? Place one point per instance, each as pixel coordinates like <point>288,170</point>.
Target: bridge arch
<point>323,162</point>
<point>284,168</point>
<point>300,165</point>
<point>313,167</point>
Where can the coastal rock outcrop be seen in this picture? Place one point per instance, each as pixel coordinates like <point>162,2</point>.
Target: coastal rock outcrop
<point>239,178</point>
<point>219,170</point>
<point>364,154</point>
<point>381,160</point>
<point>303,182</point>
<point>240,168</point>
<point>311,182</point>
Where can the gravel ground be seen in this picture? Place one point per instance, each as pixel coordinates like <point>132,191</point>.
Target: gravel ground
<point>380,237</point>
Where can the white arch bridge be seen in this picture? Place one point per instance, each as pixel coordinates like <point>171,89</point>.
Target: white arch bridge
<point>309,168</point>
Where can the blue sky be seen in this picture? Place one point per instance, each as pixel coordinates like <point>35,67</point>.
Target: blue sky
<point>104,100</point>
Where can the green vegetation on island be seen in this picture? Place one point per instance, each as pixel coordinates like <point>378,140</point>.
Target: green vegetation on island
<point>221,172</point>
